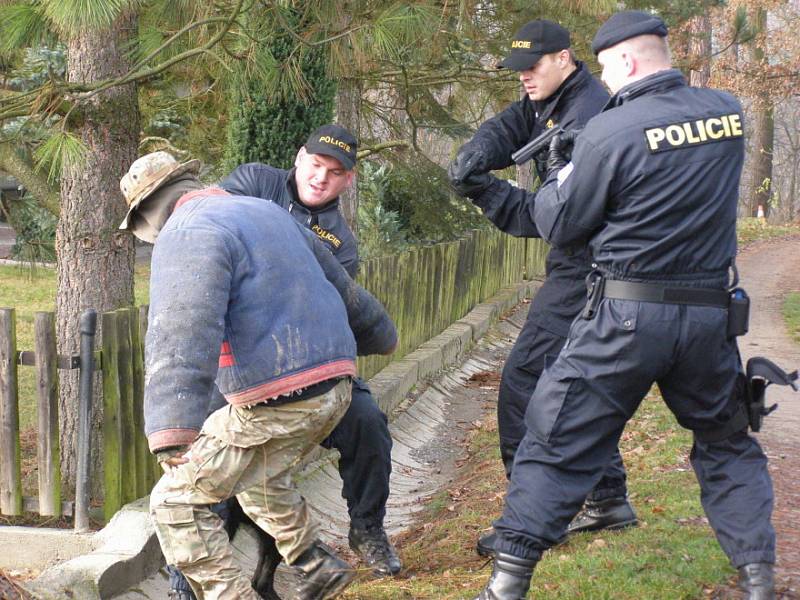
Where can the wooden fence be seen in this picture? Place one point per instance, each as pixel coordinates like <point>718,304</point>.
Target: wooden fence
<point>424,290</point>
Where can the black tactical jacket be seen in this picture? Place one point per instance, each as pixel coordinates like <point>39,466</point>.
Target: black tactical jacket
<point>263,181</point>
<point>510,208</point>
<point>653,184</point>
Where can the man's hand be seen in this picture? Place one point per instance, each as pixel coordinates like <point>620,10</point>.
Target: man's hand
<point>169,458</point>
<point>470,160</point>
<point>472,186</point>
<point>560,152</point>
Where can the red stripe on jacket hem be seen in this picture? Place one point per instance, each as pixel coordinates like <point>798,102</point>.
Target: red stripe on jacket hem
<point>167,438</point>
<point>292,383</point>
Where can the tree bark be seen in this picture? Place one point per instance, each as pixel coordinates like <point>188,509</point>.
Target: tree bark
<point>700,50</point>
<point>763,129</point>
<point>348,115</point>
<point>94,259</point>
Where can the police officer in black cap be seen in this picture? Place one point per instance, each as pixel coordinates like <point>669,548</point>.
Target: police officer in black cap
<point>559,92</point>
<point>652,185</point>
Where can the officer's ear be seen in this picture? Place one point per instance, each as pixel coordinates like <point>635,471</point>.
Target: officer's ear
<point>300,154</point>
<point>351,175</point>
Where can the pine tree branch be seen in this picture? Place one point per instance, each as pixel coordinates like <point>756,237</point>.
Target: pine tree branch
<point>37,185</point>
<point>377,148</point>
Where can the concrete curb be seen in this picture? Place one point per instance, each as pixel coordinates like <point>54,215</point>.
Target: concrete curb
<point>126,551</point>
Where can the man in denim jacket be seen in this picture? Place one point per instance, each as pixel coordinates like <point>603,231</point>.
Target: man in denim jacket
<point>227,304</point>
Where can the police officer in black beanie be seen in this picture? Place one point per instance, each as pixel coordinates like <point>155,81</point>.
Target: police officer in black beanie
<point>652,185</point>
<point>560,92</point>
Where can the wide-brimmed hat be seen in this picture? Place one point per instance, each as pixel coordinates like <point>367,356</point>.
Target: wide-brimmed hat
<point>149,172</point>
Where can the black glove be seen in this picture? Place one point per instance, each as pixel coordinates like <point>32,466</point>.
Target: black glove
<point>470,159</point>
<point>560,152</point>
<point>472,186</point>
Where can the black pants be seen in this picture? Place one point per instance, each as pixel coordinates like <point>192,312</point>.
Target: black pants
<point>534,348</point>
<point>365,445</point>
<point>586,397</point>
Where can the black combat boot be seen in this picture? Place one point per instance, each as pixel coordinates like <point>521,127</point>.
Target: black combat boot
<point>321,574</point>
<point>510,580</point>
<point>375,549</point>
<point>758,581</point>
<point>485,545</point>
<point>610,513</point>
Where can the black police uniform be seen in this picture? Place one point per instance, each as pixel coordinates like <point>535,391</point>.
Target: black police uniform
<point>563,293</point>
<point>653,186</point>
<point>362,436</point>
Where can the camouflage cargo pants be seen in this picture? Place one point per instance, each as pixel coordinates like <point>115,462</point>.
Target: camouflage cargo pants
<point>249,453</point>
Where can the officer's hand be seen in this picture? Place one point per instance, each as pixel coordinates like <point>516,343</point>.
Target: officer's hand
<point>472,186</point>
<point>169,458</point>
<point>560,152</point>
<point>470,159</point>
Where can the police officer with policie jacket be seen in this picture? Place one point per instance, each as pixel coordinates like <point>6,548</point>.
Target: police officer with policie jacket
<point>653,186</point>
<point>560,92</point>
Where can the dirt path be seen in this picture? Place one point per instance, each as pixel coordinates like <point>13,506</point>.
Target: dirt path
<point>769,271</point>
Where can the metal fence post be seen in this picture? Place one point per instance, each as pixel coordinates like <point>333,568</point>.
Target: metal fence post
<point>88,327</point>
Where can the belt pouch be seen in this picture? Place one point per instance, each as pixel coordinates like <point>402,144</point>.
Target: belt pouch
<point>738,313</point>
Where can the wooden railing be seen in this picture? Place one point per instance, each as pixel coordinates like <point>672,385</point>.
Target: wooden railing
<point>424,291</point>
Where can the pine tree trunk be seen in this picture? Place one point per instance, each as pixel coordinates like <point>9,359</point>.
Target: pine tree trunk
<point>95,259</point>
<point>700,50</point>
<point>348,115</point>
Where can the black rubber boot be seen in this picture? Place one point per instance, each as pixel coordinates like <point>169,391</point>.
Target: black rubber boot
<point>268,560</point>
<point>758,581</point>
<point>375,549</point>
<point>485,545</point>
<point>510,580</point>
<point>611,513</point>
<point>321,574</point>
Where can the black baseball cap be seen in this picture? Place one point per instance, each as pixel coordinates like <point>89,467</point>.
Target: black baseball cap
<point>335,141</point>
<point>624,25</point>
<point>532,41</point>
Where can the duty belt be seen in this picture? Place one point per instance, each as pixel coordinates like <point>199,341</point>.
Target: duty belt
<point>648,292</point>
<point>598,287</point>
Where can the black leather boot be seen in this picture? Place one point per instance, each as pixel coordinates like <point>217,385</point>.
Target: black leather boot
<point>758,581</point>
<point>485,545</point>
<point>611,513</point>
<point>510,580</point>
<point>375,549</point>
<point>321,574</point>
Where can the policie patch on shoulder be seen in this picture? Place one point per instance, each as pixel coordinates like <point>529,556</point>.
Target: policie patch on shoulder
<point>693,133</point>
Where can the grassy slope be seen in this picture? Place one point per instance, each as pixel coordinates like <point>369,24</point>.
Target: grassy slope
<point>791,313</point>
<point>673,554</point>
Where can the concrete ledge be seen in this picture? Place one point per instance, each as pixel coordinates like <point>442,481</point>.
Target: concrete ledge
<point>27,546</point>
<point>391,385</point>
<point>428,359</point>
<point>480,318</point>
<point>126,552</point>
<point>453,342</point>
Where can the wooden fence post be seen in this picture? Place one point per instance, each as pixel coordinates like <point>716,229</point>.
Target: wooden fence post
<point>112,436</point>
<point>10,474</point>
<point>49,455</point>
<point>137,397</point>
<point>126,415</point>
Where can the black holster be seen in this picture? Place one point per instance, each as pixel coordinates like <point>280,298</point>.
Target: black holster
<point>595,282</point>
<point>750,392</point>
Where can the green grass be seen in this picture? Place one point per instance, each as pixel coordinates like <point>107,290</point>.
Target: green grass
<point>29,291</point>
<point>672,554</point>
<point>751,229</point>
<point>791,313</point>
